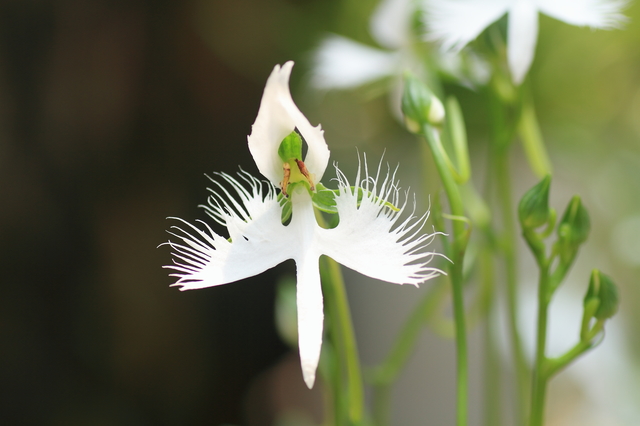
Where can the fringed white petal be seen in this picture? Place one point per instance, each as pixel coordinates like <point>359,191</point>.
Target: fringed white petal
<point>522,35</point>
<point>277,117</point>
<point>456,22</point>
<point>372,239</point>
<point>341,63</point>
<point>258,240</point>
<point>605,14</point>
<point>390,22</point>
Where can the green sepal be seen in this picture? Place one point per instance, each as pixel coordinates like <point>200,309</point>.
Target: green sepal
<point>290,147</point>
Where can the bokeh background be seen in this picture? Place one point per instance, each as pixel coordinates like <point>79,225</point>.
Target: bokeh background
<point>111,112</point>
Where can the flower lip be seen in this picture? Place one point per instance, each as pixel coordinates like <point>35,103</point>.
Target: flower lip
<point>278,116</point>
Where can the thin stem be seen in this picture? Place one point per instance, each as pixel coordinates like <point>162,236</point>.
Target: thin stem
<point>503,131</point>
<point>511,269</point>
<point>460,238</point>
<point>345,336</point>
<point>541,370</point>
<point>342,325</point>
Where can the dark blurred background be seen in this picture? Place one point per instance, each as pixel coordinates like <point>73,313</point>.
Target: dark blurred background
<point>110,114</point>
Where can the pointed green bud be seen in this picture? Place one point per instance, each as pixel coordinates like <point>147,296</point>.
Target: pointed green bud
<point>574,226</point>
<point>419,105</point>
<point>603,289</point>
<point>290,147</point>
<point>533,209</point>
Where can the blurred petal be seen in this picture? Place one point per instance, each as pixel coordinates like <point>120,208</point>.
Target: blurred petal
<point>522,35</point>
<point>456,22</point>
<point>604,14</point>
<point>370,239</point>
<point>258,240</point>
<point>389,23</point>
<point>277,117</point>
<point>341,63</point>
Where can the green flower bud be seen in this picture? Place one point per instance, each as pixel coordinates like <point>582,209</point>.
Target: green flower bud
<point>533,209</point>
<point>419,105</point>
<point>603,289</point>
<point>290,147</point>
<point>575,224</point>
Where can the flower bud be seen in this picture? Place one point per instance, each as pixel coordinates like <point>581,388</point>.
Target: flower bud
<point>533,209</point>
<point>419,105</point>
<point>603,289</point>
<point>574,226</point>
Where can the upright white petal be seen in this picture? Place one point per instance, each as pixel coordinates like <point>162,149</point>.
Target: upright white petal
<point>390,22</point>
<point>604,14</point>
<point>341,63</point>
<point>522,35</point>
<point>456,22</point>
<point>372,239</point>
<point>259,241</point>
<point>277,117</point>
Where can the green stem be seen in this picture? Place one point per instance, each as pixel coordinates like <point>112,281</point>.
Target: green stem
<point>511,268</point>
<point>503,128</point>
<point>342,325</point>
<point>531,137</point>
<point>345,336</point>
<point>458,247</point>
<point>541,369</point>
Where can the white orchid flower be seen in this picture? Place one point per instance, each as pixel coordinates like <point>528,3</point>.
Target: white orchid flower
<point>369,238</point>
<point>342,63</point>
<point>457,22</point>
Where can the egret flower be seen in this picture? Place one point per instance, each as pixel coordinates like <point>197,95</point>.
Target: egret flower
<point>457,22</point>
<point>342,63</point>
<point>266,228</point>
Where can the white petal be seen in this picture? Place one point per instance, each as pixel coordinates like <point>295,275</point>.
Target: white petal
<point>372,240</point>
<point>593,13</point>
<point>456,22</point>
<point>277,117</point>
<point>341,63</point>
<point>390,21</point>
<point>259,241</point>
<point>309,291</point>
<point>310,315</point>
<point>522,35</point>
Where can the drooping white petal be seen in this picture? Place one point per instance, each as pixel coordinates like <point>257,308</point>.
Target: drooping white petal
<point>309,291</point>
<point>389,23</point>
<point>258,240</point>
<point>277,117</point>
<point>605,14</point>
<point>522,35</point>
<point>341,63</point>
<point>371,238</point>
<point>456,22</point>
<point>310,315</point>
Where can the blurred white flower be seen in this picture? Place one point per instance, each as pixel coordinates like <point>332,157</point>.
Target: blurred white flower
<point>369,238</point>
<point>342,63</point>
<point>457,22</point>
